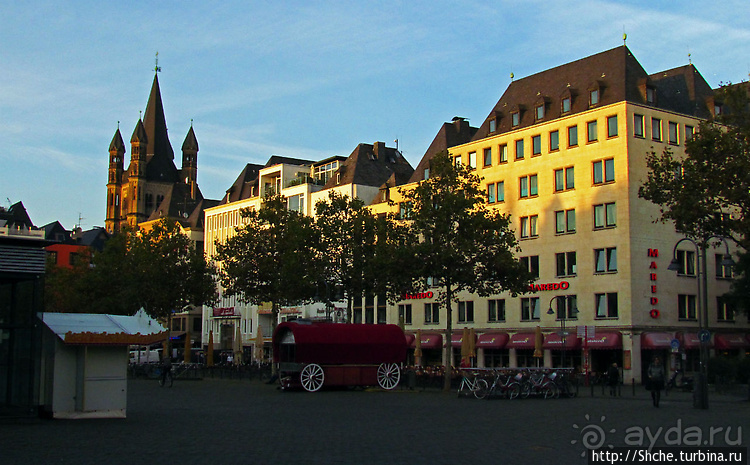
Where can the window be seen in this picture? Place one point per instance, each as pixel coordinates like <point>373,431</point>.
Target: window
<point>638,125</point>
<point>491,193</point>
<point>594,97</point>
<point>539,112</point>
<point>565,264</point>
<point>495,310</point>
<point>722,271</point>
<point>493,125</point>
<point>503,153</point>
<point>724,310</point>
<point>673,133</point>
<point>686,262</point>
<point>605,260</point>
<point>530,308</point>
<point>604,171</point>
<point>404,210</point>
<point>554,141</point>
<point>515,118</point>
<point>650,95</point>
<point>536,145</point>
<point>564,179</point>
<point>426,174</point>
<point>296,203</point>
<point>519,149</point>
<point>565,221</point>
<point>605,215</point>
<point>501,191</point>
<point>531,263</point>
<point>566,105</point>
<point>689,132</point>
<point>466,311</point>
<point>606,305</point>
<point>529,226</point>
<point>572,136</point>
<point>591,133</point>
<point>473,160</point>
<point>686,309</point>
<point>431,313</point>
<point>656,129</point>
<point>567,307</point>
<point>457,160</point>
<point>404,313</point>
<point>528,186</point>
<point>612,126</point>
<point>487,157</point>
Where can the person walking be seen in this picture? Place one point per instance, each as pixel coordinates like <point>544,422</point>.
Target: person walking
<point>613,379</point>
<point>656,380</point>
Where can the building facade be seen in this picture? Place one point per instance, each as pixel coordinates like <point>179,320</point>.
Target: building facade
<point>564,153</point>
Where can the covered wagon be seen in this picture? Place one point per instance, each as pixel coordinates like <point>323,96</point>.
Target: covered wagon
<point>313,354</point>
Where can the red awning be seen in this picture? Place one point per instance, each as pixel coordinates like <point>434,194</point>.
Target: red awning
<point>690,341</point>
<point>457,338</point>
<point>522,341</point>
<point>429,341</point>
<point>656,340</point>
<point>731,341</point>
<point>555,341</point>
<point>493,340</point>
<point>605,340</point>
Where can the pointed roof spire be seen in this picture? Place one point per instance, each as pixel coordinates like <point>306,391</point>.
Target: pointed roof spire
<point>156,125</point>
<point>139,133</point>
<point>117,144</point>
<point>191,143</point>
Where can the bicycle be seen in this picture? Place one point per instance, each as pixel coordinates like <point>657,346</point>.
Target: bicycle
<point>680,381</point>
<point>472,382</point>
<point>565,387</point>
<point>538,384</point>
<point>165,378</point>
<point>505,383</point>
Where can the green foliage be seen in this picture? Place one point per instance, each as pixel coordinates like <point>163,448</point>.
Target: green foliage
<point>159,270</point>
<point>271,258</point>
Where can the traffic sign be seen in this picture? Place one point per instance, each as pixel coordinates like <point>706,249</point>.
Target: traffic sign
<point>704,335</point>
<point>674,344</point>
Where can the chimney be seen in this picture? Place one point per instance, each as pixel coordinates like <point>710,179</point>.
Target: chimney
<point>379,149</point>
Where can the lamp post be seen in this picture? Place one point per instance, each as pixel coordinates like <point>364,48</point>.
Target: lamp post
<point>700,393</point>
<point>563,318</point>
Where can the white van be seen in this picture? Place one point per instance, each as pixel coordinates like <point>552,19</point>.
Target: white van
<point>145,355</point>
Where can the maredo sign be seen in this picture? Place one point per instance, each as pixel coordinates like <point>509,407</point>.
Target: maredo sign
<point>561,286</point>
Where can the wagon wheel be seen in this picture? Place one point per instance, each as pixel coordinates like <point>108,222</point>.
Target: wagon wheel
<point>388,375</point>
<point>312,377</point>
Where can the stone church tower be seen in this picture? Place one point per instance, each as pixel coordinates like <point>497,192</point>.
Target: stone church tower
<point>152,187</point>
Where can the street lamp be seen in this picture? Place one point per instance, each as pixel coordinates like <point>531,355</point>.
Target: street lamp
<point>563,318</point>
<point>700,393</point>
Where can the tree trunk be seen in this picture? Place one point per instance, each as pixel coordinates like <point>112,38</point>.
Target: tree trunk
<point>448,351</point>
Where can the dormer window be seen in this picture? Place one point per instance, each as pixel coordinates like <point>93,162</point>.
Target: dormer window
<point>566,105</point>
<point>594,97</point>
<point>493,125</point>
<point>515,118</point>
<point>539,112</point>
<point>650,95</point>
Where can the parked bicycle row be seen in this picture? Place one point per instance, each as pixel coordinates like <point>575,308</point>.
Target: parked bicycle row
<point>514,383</point>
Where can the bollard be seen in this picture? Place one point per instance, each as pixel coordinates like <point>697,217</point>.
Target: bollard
<point>633,383</point>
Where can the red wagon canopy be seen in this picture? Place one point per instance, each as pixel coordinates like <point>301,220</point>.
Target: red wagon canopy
<point>339,344</point>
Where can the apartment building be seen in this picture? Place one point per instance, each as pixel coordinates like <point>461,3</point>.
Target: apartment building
<point>564,153</point>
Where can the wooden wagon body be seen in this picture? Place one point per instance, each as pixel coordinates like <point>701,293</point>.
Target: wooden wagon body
<point>313,354</point>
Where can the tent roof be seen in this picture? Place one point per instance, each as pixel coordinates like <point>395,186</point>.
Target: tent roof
<point>102,329</point>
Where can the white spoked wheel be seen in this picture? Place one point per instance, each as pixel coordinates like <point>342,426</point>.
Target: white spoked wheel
<point>312,377</point>
<point>389,375</point>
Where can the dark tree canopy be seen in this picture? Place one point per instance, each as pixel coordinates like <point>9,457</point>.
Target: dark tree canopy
<point>463,245</point>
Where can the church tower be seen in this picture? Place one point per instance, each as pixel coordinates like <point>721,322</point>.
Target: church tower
<point>190,162</point>
<point>134,203</point>
<point>114,182</point>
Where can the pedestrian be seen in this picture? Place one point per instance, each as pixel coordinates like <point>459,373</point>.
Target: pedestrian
<point>613,379</point>
<point>655,380</point>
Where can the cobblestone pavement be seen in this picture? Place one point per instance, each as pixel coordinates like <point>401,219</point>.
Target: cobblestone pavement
<point>246,422</point>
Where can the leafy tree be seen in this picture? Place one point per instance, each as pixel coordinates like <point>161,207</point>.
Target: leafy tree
<point>66,289</point>
<point>463,245</point>
<point>359,251</point>
<point>706,192</point>
<point>271,258</point>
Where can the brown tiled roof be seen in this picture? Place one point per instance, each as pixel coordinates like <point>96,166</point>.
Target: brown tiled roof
<point>242,188</point>
<point>616,73</point>
<point>372,165</point>
<point>456,132</point>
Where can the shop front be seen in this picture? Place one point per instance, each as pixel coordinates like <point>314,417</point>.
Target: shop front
<point>565,349</point>
<point>521,352</point>
<point>731,344</point>
<point>604,348</point>
<point>491,350</point>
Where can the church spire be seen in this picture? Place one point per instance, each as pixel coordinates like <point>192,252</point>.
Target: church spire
<point>156,124</point>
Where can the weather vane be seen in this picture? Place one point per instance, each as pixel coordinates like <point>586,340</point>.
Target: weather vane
<point>157,68</point>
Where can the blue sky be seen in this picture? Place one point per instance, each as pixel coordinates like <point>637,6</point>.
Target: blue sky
<point>301,79</point>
